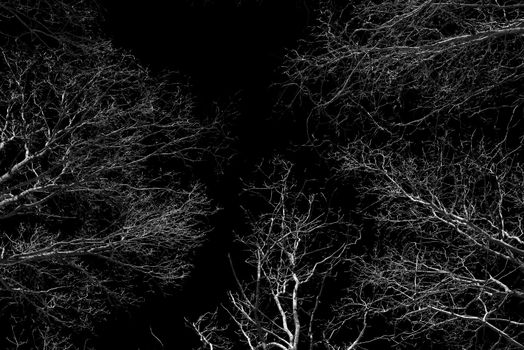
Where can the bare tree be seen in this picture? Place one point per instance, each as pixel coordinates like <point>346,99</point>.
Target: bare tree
<point>92,214</point>
<point>394,65</point>
<point>428,98</point>
<point>294,252</point>
<point>452,224</point>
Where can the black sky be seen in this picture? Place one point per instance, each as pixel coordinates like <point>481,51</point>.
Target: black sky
<point>222,46</point>
<point>228,51</point>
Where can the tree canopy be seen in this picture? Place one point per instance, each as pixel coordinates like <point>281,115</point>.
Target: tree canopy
<point>93,213</point>
<point>388,214</point>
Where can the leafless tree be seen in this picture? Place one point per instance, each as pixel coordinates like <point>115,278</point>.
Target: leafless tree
<point>452,224</point>
<point>91,212</point>
<point>293,252</point>
<point>428,96</point>
<point>394,64</point>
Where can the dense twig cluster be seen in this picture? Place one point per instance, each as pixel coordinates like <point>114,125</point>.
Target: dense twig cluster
<point>92,215</point>
<point>293,252</point>
<point>428,96</point>
<point>396,65</point>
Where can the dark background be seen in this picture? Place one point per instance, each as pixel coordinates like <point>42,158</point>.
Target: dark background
<point>230,53</point>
